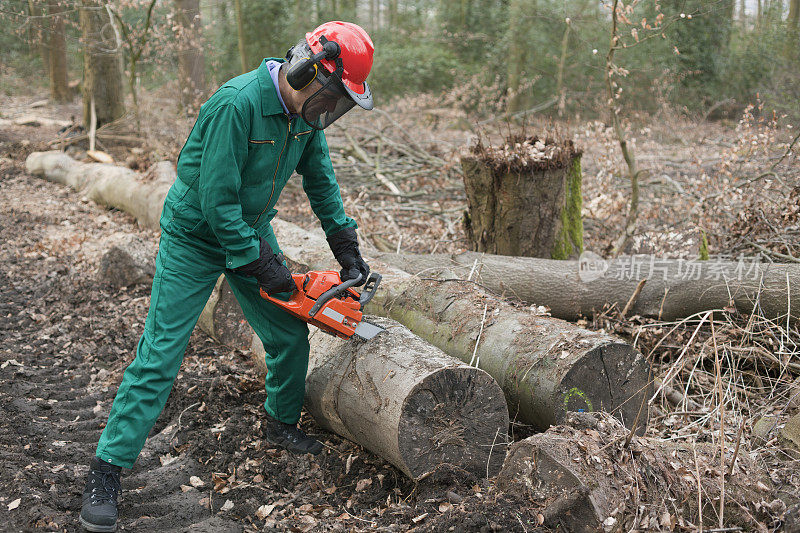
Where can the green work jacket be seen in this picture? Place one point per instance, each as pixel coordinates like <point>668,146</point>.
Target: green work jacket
<point>241,152</point>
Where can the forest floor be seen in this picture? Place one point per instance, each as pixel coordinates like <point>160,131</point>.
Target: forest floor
<point>65,338</point>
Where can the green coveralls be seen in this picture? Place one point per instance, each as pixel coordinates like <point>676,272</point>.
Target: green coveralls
<point>240,153</point>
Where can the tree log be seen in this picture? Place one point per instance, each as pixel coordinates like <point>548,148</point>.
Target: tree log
<point>109,185</point>
<point>592,477</point>
<point>524,198</point>
<point>407,402</point>
<point>674,288</point>
<point>545,366</point>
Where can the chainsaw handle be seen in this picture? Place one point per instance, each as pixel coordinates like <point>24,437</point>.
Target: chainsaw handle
<point>369,289</point>
<point>333,292</point>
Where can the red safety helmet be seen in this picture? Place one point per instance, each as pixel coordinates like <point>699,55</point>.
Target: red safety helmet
<point>356,54</point>
<point>338,55</point>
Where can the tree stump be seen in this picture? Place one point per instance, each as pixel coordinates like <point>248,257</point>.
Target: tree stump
<point>524,198</point>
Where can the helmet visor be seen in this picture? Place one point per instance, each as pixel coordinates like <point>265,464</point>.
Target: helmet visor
<point>326,105</point>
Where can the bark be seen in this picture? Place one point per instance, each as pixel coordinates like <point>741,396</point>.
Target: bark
<point>407,402</point>
<point>240,33</point>
<point>674,288</point>
<point>592,474</point>
<point>524,199</point>
<point>793,30</point>
<point>39,32</point>
<point>545,366</point>
<point>517,56</point>
<point>59,85</point>
<point>191,61</point>
<point>101,65</point>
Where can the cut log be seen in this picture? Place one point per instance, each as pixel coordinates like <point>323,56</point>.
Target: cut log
<point>407,402</point>
<point>545,366</point>
<point>109,185</point>
<point>590,480</point>
<point>524,198</point>
<point>673,289</point>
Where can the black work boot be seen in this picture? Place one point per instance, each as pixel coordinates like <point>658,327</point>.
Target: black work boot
<point>99,511</point>
<point>291,437</point>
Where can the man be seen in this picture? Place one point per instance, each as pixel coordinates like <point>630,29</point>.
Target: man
<point>248,139</point>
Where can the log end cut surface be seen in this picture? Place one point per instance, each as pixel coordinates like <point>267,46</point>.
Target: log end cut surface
<point>612,377</point>
<point>456,416</point>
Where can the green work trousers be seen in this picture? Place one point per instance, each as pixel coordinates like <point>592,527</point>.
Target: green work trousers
<point>187,268</point>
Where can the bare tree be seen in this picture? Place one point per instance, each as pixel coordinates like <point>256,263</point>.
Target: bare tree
<point>191,60</point>
<point>102,64</point>
<point>793,29</point>
<point>136,40</point>
<point>517,56</point>
<point>38,32</point>
<point>240,32</point>
<point>57,56</point>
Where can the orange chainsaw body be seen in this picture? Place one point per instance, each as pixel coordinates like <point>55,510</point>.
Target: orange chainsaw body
<point>338,315</point>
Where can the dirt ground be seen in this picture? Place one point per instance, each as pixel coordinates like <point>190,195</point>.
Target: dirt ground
<point>65,339</point>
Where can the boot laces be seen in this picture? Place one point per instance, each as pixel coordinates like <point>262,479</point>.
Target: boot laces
<point>109,487</point>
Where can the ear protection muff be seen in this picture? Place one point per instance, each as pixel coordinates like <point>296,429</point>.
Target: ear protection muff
<point>302,73</point>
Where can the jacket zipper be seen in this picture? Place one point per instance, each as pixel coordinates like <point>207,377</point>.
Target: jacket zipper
<point>261,142</point>
<point>275,175</point>
<point>297,137</point>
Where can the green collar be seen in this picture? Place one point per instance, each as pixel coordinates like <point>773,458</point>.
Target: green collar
<point>270,104</point>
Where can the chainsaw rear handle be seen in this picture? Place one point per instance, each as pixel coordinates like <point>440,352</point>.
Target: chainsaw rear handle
<point>369,289</point>
<point>333,292</point>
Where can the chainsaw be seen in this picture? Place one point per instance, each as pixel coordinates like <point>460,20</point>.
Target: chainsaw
<point>323,300</point>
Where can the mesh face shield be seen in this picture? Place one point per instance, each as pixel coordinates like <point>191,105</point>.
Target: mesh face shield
<point>326,105</point>
<point>332,99</point>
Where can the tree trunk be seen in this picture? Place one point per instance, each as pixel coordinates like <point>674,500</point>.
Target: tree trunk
<point>674,288</point>
<point>59,85</point>
<point>101,65</point>
<point>525,199</point>
<point>518,11</point>
<point>793,30</point>
<point>591,474</point>
<point>240,32</point>
<point>545,366</point>
<point>407,402</point>
<point>40,31</point>
<point>191,61</point>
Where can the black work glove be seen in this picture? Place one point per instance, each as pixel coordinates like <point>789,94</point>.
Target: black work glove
<point>344,245</point>
<point>269,271</point>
